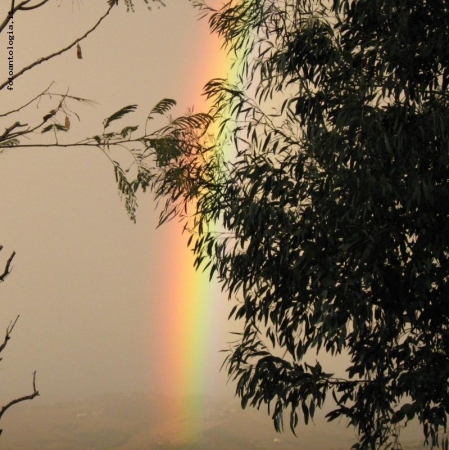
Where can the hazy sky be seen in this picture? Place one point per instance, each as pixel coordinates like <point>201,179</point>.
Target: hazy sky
<point>90,285</point>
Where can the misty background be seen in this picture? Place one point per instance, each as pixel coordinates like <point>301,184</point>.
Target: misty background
<point>90,286</point>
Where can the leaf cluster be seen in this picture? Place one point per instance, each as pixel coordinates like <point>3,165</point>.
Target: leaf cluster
<point>159,156</point>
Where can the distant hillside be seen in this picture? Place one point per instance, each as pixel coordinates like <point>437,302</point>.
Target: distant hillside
<point>148,422</point>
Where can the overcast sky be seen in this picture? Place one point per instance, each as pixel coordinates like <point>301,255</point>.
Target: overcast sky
<point>91,286</point>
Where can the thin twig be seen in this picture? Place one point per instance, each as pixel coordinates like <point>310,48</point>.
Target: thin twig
<point>7,267</point>
<point>51,56</point>
<point>8,334</point>
<point>79,144</point>
<point>8,130</point>
<point>20,7</point>
<point>47,117</point>
<point>8,17</point>
<point>20,399</point>
<point>26,397</point>
<point>28,103</point>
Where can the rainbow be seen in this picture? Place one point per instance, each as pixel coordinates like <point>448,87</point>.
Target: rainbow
<point>189,298</point>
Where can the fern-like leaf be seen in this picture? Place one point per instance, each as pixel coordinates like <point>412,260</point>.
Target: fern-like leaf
<point>10,142</point>
<point>162,107</point>
<point>126,192</point>
<point>127,131</point>
<point>55,127</point>
<point>199,120</point>
<point>119,114</point>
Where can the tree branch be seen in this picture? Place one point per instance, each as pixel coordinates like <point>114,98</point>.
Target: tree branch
<point>20,399</point>
<point>8,17</point>
<point>9,330</point>
<point>8,334</point>
<point>51,56</point>
<point>48,116</point>
<point>8,130</point>
<point>28,103</point>
<point>20,7</point>
<point>7,267</point>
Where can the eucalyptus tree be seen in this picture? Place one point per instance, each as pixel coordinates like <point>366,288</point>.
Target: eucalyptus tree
<point>330,226</point>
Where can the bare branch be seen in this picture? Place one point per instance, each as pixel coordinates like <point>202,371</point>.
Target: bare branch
<point>28,103</point>
<point>20,7</point>
<point>8,334</point>
<point>35,393</point>
<point>7,267</point>
<point>21,399</point>
<point>8,17</point>
<point>29,130</point>
<point>8,130</point>
<point>50,94</point>
<point>53,55</point>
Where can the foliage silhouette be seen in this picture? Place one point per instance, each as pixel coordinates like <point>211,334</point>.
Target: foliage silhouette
<point>330,226</point>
